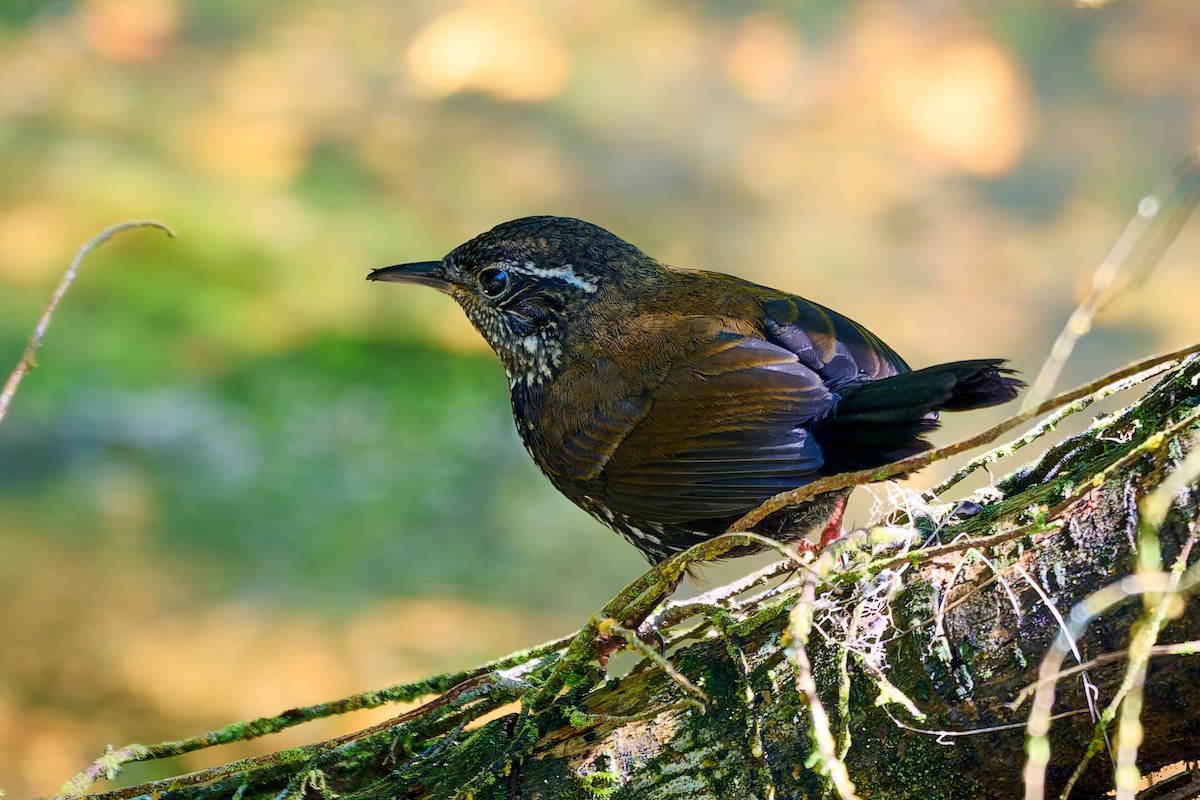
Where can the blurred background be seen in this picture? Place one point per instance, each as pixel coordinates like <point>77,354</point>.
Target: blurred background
<point>243,479</point>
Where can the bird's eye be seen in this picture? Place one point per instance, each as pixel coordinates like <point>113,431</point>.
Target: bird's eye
<point>493,282</point>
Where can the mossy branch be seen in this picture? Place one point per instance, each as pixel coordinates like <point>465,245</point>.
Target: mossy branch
<point>929,649</point>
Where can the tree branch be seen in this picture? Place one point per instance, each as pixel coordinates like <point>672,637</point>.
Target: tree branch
<point>929,662</point>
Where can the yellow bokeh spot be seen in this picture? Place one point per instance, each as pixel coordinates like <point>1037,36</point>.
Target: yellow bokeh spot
<point>963,104</point>
<point>246,148</point>
<point>490,47</point>
<point>32,240</point>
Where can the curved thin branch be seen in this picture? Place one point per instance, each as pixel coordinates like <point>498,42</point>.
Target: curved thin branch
<point>39,332</point>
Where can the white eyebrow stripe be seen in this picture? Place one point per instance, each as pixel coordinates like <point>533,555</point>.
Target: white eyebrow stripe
<point>565,273</point>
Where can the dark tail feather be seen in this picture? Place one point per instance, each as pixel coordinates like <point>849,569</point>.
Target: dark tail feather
<point>983,383</point>
<point>875,422</point>
<point>958,386</point>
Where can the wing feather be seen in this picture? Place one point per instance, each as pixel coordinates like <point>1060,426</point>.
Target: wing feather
<point>725,430</point>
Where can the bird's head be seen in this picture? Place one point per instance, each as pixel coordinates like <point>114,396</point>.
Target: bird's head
<point>530,284</point>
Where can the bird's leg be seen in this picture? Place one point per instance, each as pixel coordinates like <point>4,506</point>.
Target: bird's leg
<point>833,529</point>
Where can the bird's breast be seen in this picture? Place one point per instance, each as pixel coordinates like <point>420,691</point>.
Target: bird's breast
<point>573,422</point>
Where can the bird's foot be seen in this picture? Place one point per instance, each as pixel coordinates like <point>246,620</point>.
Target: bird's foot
<point>637,634</point>
<point>621,623</point>
<point>624,620</point>
<point>607,645</point>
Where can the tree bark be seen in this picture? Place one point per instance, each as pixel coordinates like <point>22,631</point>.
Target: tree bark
<point>951,636</point>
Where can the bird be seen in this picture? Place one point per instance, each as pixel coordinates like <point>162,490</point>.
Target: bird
<point>668,402</point>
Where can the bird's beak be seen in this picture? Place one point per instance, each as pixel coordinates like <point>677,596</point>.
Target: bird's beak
<point>423,273</point>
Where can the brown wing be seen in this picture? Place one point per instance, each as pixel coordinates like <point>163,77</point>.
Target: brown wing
<point>715,419</point>
<point>721,427</point>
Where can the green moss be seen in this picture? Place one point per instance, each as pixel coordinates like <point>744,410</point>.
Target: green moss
<point>599,784</point>
<point>922,769</point>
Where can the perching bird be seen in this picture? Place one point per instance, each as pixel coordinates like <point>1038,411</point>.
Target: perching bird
<point>667,403</point>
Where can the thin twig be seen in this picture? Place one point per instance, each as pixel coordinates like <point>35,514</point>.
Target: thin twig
<point>650,654</point>
<point>944,737</point>
<point>1141,244</point>
<point>447,685</point>
<point>1145,634</point>
<point>488,692</point>
<point>1099,602</point>
<point>28,359</point>
<point>1188,648</point>
<point>800,627</point>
